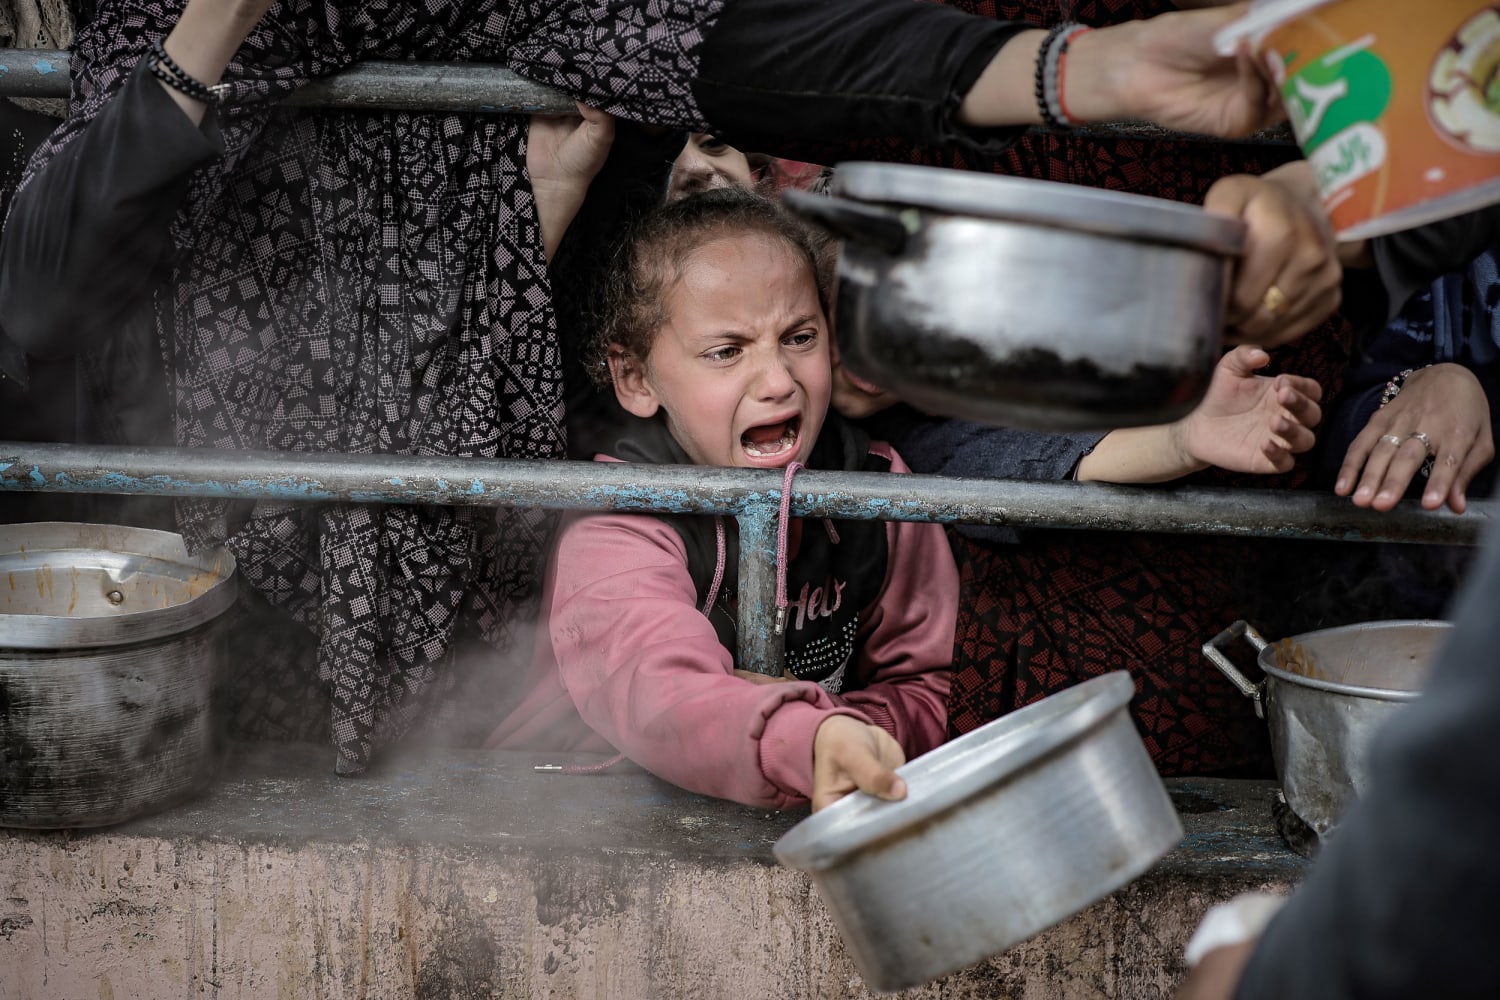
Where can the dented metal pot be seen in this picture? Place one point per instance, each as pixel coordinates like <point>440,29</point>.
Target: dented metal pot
<point>110,655</point>
<point>1324,696</point>
<point>1023,302</point>
<point>1004,832</point>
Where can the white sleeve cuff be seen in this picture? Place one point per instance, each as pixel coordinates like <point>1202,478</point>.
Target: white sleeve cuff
<point>1239,920</point>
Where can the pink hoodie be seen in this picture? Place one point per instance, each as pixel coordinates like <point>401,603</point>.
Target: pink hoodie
<point>627,661</point>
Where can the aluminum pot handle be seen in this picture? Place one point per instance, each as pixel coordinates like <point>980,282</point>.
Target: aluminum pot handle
<point>1215,653</point>
<point>883,228</point>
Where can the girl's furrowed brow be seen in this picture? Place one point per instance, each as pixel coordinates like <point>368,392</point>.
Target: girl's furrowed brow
<point>800,322</point>
<point>720,336</point>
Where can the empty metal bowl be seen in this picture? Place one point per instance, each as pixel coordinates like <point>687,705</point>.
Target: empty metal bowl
<point>1004,832</point>
<point>1023,302</point>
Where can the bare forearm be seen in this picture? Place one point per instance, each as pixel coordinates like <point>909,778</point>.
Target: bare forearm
<point>556,207</point>
<point>204,41</point>
<point>1140,455</point>
<point>1005,92</point>
<point>1162,69</point>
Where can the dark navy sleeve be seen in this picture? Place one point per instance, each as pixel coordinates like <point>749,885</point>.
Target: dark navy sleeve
<point>1409,261</point>
<point>943,447</point>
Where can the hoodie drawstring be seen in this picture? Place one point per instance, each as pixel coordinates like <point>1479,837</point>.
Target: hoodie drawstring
<point>713,591</point>
<point>781,528</point>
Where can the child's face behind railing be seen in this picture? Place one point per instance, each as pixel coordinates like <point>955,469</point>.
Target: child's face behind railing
<point>741,367</point>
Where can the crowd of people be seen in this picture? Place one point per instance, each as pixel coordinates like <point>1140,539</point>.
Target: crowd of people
<point>210,270</point>
<point>201,267</point>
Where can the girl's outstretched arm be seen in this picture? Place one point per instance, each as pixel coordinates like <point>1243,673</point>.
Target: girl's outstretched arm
<point>646,671</point>
<point>1246,423</point>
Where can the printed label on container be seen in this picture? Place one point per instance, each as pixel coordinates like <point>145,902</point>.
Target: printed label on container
<point>1334,103</point>
<point>1397,111</point>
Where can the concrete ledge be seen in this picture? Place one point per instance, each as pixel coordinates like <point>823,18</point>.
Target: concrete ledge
<point>469,875</point>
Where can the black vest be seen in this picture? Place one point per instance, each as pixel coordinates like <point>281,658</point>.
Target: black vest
<point>829,585</point>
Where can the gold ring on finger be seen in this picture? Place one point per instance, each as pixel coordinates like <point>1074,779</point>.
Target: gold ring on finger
<point>1275,300</point>
<point>1394,439</point>
<point>1426,441</point>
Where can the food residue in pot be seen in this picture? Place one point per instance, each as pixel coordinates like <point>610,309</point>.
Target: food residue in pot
<point>1291,657</point>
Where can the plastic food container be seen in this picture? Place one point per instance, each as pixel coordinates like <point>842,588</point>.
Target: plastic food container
<point>1396,107</point>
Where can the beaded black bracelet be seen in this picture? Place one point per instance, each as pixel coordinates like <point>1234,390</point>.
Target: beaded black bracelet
<point>165,69</point>
<point>180,85</point>
<point>1045,69</point>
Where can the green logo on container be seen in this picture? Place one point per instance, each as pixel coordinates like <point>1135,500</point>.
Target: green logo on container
<point>1344,88</point>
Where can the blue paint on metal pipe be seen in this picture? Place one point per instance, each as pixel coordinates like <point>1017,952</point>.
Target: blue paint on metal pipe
<point>43,67</point>
<point>297,477</point>
<point>761,648</point>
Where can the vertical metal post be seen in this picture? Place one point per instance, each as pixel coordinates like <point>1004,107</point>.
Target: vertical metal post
<point>761,650</point>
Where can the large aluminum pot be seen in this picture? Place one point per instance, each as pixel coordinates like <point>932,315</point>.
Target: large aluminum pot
<point>1004,832</point>
<point>1324,696</point>
<point>1022,302</point>
<point>109,659</point>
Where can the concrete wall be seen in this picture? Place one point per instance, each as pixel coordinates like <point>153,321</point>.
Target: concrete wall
<point>469,875</point>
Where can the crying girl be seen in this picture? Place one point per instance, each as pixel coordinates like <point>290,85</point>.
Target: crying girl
<point>716,341</point>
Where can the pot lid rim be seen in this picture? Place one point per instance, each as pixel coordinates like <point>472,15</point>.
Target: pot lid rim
<point>826,839</point>
<point>1037,202</point>
<point>1266,661</point>
<point>22,633</point>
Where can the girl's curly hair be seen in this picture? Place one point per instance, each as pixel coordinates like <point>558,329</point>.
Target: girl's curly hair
<point>639,277</point>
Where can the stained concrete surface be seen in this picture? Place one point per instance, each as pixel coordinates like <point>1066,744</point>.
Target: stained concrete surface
<point>470,875</point>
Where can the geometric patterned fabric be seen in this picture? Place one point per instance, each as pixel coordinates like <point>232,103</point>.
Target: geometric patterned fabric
<point>374,283</point>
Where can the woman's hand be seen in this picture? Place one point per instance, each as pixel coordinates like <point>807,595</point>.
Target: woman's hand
<point>1445,403</point>
<point>850,755</point>
<point>1248,422</point>
<point>1290,279</point>
<point>1164,69</point>
<point>563,155</point>
<point>1218,974</point>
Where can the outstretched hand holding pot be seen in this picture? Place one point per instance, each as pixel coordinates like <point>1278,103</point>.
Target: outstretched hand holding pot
<point>850,755</point>
<point>1290,278</point>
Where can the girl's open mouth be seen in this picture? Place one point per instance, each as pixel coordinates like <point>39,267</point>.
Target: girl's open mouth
<point>771,440</point>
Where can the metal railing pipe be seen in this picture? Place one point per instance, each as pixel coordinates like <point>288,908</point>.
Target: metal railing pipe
<point>761,645</point>
<point>406,479</point>
<point>425,86</point>
<point>387,86</point>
